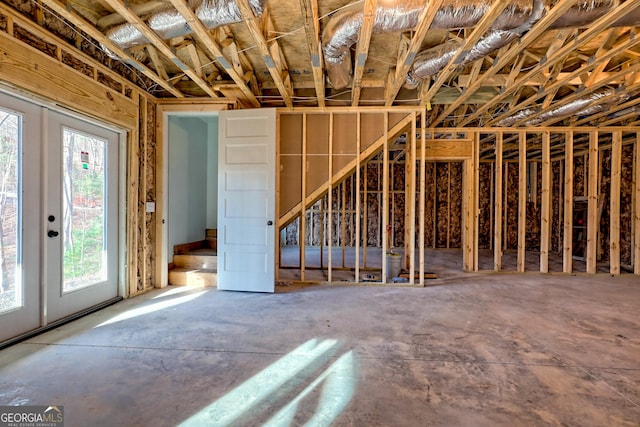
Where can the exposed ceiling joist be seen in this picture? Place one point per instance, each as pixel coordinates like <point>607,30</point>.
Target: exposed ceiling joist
<point>516,49</point>
<point>496,9</point>
<point>72,16</point>
<point>272,59</point>
<point>209,43</point>
<point>160,44</point>
<point>362,48</point>
<point>311,23</point>
<point>405,60</point>
<point>589,34</point>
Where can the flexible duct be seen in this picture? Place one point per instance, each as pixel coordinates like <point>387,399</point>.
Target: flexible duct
<point>594,103</point>
<point>170,23</point>
<point>343,28</point>
<point>428,62</point>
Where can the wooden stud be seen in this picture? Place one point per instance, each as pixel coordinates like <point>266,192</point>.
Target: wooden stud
<point>277,240</point>
<point>592,215</point>
<point>302,230</point>
<point>311,20</point>
<point>497,232</point>
<point>133,196</point>
<point>357,194</point>
<point>476,201</point>
<point>411,200</point>
<point>545,204</point>
<point>423,121</point>
<point>492,190</point>
<point>614,203</point>
<point>567,257</point>
<point>636,215</point>
<point>385,197</point>
<point>505,206</point>
<point>522,202</point>
<point>330,207</point>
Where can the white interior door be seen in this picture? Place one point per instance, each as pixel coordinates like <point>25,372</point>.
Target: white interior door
<point>81,216</point>
<point>20,229</point>
<point>246,195</point>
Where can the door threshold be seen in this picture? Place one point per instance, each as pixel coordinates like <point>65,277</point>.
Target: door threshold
<point>59,322</point>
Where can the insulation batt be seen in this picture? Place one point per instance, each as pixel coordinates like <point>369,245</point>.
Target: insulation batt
<point>170,23</point>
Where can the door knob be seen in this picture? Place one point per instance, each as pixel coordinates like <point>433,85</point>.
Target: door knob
<point>52,233</point>
<point>269,222</point>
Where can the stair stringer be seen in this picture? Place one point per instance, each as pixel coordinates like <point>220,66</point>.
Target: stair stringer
<point>346,171</point>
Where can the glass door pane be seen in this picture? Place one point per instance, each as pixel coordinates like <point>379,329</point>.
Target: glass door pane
<point>83,210</point>
<point>11,286</point>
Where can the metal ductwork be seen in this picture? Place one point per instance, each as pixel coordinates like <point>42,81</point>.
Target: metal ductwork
<point>430,61</point>
<point>594,103</point>
<point>170,23</point>
<point>343,28</point>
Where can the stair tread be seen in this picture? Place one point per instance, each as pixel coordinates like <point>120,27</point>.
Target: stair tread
<point>192,270</point>
<point>200,252</point>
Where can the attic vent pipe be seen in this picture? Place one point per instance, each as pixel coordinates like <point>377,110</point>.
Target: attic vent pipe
<point>170,23</point>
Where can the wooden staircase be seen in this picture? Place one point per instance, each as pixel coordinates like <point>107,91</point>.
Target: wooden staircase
<point>195,263</point>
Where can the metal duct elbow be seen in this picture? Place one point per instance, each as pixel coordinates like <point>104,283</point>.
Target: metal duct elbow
<point>170,23</point>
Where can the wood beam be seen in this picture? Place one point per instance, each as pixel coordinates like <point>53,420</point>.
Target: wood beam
<point>79,22</point>
<point>311,21</point>
<point>124,10</point>
<point>362,48</point>
<point>497,202</point>
<point>274,63</point>
<point>589,34</point>
<point>405,61</point>
<point>211,45</point>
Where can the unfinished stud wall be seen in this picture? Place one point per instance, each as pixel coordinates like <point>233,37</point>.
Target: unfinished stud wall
<point>516,208</point>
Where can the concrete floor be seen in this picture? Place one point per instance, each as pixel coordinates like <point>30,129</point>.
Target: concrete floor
<point>475,350</point>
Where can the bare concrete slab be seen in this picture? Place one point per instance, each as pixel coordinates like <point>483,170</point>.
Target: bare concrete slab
<point>476,350</point>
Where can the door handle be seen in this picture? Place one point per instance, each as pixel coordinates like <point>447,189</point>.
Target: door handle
<point>269,222</point>
<point>52,233</point>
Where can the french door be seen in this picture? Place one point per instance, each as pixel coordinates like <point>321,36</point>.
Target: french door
<point>59,216</point>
